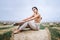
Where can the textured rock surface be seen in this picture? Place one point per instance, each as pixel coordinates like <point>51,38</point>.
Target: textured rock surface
<point>33,35</point>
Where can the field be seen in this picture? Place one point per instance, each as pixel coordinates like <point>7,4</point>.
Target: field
<point>6,32</point>
<point>54,28</point>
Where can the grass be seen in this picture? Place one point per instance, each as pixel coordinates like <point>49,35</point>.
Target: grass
<point>42,27</point>
<point>54,33</point>
<point>5,32</point>
<point>6,27</point>
<point>6,36</point>
<point>54,30</point>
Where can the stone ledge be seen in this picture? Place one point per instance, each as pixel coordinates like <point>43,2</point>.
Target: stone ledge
<point>33,35</point>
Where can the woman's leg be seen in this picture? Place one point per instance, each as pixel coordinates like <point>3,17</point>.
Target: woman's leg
<point>33,26</point>
<point>21,27</point>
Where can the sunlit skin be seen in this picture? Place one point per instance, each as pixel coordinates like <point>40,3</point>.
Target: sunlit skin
<point>36,17</point>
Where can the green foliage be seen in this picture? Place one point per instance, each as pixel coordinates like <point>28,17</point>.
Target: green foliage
<point>54,33</point>
<point>51,25</point>
<point>6,32</point>
<point>5,28</point>
<point>54,30</point>
<point>42,27</point>
<point>6,36</point>
<point>58,25</point>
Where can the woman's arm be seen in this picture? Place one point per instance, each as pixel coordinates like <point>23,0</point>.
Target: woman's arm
<point>24,20</point>
<point>33,18</point>
<point>27,18</point>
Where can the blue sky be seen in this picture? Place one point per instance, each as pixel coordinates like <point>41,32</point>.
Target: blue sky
<point>16,10</point>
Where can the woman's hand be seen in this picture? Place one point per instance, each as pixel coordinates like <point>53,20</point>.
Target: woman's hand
<point>22,22</point>
<point>19,23</point>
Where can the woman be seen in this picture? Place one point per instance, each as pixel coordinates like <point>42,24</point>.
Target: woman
<point>33,21</point>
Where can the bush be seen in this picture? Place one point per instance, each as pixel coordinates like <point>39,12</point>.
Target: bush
<point>6,32</point>
<point>42,27</point>
<point>54,33</point>
<point>6,36</point>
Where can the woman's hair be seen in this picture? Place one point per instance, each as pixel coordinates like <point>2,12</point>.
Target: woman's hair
<point>35,8</point>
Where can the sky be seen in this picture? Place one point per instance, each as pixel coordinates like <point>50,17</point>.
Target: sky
<point>16,10</point>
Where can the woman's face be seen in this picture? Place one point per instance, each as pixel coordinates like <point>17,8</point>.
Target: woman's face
<point>35,10</point>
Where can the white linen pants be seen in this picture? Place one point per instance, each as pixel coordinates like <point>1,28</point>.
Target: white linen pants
<point>32,25</point>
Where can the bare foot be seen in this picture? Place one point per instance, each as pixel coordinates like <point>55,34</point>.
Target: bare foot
<point>16,31</point>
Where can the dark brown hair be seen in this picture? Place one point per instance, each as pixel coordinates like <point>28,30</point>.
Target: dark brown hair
<point>35,8</point>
